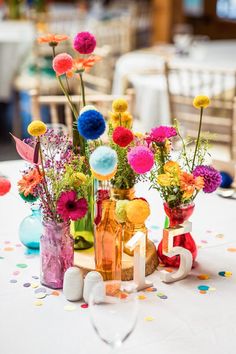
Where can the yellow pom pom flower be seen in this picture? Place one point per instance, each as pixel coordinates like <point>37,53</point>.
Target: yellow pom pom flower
<point>119,105</point>
<point>201,102</point>
<point>121,210</point>
<point>126,120</point>
<point>37,128</point>
<point>137,211</point>
<point>103,178</point>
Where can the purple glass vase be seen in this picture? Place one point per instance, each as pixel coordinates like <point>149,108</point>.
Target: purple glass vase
<point>56,253</point>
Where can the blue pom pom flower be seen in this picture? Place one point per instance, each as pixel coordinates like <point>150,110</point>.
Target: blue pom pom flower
<point>91,124</point>
<point>103,160</point>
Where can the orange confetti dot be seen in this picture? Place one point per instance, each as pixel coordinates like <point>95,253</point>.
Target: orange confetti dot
<point>8,249</point>
<point>55,293</point>
<point>231,249</point>
<point>169,270</point>
<point>202,292</point>
<point>123,296</point>
<point>203,276</point>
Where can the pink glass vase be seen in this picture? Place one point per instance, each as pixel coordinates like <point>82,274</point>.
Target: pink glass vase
<point>178,216</point>
<point>56,253</point>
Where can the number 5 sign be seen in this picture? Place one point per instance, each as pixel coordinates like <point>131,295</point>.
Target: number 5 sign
<point>186,259</point>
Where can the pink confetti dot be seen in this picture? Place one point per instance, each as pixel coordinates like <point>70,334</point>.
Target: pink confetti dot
<point>84,306</point>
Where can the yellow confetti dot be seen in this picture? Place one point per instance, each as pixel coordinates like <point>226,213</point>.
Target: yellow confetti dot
<point>141,297</point>
<point>8,249</point>
<point>212,289</point>
<point>203,276</point>
<point>231,249</point>
<point>34,285</point>
<point>38,303</point>
<point>149,318</point>
<point>220,236</point>
<point>69,307</point>
<point>228,274</point>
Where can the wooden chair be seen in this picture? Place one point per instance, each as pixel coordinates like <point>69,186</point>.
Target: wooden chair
<point>59,104</point>
<point>184,83</point>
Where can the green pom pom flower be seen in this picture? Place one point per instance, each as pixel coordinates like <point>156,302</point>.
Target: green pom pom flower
<point>30,198</point>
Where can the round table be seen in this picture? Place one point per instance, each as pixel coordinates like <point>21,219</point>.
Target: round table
<point>186,322</point>
<point>152,107</point>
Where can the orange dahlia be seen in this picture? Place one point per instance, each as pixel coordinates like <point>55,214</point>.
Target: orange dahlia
<point>188,184</point>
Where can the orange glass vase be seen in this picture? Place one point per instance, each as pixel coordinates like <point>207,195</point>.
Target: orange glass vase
<point>108,243</point>
<point>128,232</point>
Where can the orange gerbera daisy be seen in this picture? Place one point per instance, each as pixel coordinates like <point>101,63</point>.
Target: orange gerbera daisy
<point>29,181</point>
<point>53,39</point>
<point>83,64</point>
<point>188,184</point>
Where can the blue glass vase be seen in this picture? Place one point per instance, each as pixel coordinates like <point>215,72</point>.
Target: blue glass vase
<point>31,228</point>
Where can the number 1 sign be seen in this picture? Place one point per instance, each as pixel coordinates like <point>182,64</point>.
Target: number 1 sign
<point>186,258</point>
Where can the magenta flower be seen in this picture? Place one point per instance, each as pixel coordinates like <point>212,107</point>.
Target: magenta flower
<point>62,63</point>
<point>212,177</point>
<point>141,159</point>
<point>71,208</point>
<point>84,43</point>
<point>160,134</point>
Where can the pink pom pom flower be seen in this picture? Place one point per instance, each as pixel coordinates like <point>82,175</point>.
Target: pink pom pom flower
<point>84,43</point>
<point>62,63</point>
<point>160,134</point>
<point>141,159</point>
<point>122,136</point>
<point>71,208</point>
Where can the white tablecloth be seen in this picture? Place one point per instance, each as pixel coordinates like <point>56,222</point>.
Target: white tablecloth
<point>187,322</point>
<point>16,39</point>
<point>151,93</point>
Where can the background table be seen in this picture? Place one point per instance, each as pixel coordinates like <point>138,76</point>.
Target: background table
<point>187,322</point>
<point>151,92</point>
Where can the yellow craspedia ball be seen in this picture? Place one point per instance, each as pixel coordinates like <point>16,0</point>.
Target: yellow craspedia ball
<point>201,102</point>
<point>103,178</point>
<point>37,128</point>
<point>137,211</point>
<point>120,105</point>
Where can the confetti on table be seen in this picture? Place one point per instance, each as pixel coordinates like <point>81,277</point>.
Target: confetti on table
<point>219,235</point>
<point>8,249</point>
<point>149,318</point>
<point>141,297</point>
<point>7,242</point>
<point>69,307</point>
<point>212,289</point>
<point>123,295</point>
<point>35,277</point>
<point>22,265</point>
<point>40,290</point>
<point>84,306</point>
<point>162,296</point>
<point>34,285</point>
<point>26,285</point>
<point>151,290</point>
<point>1,257</point>
<point>40,295</point>
<point>204,241</point>
<point>225,274</point>
<point>203,292</point>
<point>231,249</point>
<point>38,303</point>
<point>203,287</point>
<point>18,245</point>
<point>203,276</point>
<point>16,272</point>
<point>55,293</point>
<point>13,281</point>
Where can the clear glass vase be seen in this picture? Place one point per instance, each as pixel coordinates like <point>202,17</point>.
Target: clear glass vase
<point>31,228</point>
<point>178,216</point>
<point>56,253</point>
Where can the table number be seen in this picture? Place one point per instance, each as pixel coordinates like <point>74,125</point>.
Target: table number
<point>186,259</point>
<point>138,244</point>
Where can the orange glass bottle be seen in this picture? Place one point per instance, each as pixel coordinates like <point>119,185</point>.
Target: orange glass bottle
<point>108,243</point>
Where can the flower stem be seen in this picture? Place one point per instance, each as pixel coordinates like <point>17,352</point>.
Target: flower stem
<point>82,89</point>
<point>198,138</point>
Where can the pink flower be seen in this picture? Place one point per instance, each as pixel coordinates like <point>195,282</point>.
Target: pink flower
<point>141,159</point>
<point>71,208</point>
<point>84,43</point>
<point>62,63</point>
<point>122,136</point>
<point>160,134</point>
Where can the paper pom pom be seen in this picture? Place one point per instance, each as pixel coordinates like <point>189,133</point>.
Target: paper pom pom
<point>227,180</point>
<point>121,210</point>
<point>88,107</point>
<point>30,198</point>
<point>103,178</point>
<point>84,43</point>
<point>120,105</point>
<point>5,186</point>
<point>103,160</point>
<point>137,211</point>
<point>122,136</point>
<point>62,63</point>
<point>91,124</point>
<point>141,159</point>
<point>37,128</point>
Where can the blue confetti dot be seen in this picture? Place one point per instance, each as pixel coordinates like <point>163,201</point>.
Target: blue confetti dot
<point>203,287</point>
